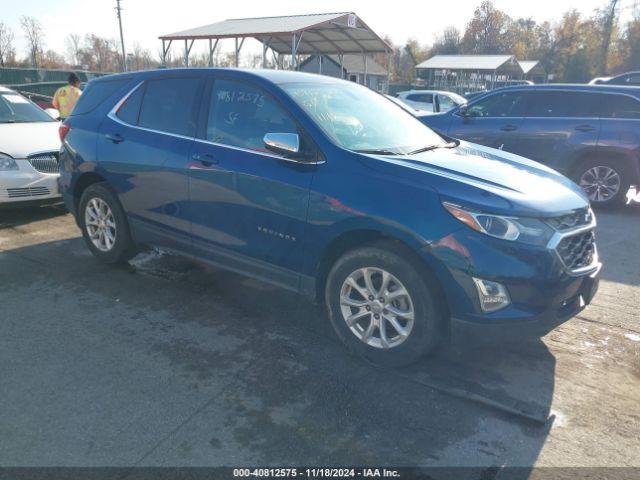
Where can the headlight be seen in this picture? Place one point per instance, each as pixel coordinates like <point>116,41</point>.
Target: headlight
<point>7,163</point>
<point>526,230</point>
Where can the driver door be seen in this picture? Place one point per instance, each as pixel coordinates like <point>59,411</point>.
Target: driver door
<point>248,205</point>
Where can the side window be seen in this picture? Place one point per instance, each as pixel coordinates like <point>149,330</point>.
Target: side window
<point>421,97</point>
<point>620,106</point>
<point>563,104</point>
<point>505,104</point>
<point>446,103</point>
<point>130,109</point>
<point>168,105</point>
<point>96,92</point>
<point>631,79</point>
<point>240,115</point>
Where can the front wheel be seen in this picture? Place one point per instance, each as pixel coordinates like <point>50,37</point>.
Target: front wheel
<point>381,307</point>
<point>104,225</point>
<point>605,182</point>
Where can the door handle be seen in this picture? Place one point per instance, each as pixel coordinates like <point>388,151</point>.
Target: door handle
<point>202,162</point>
<point>585,128</point>
<point>509,128</point>
<point>115,137</point>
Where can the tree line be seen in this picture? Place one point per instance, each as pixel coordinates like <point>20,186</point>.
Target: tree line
<point>574,48</point>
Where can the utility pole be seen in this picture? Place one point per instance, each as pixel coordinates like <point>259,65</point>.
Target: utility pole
<point>124,55</point>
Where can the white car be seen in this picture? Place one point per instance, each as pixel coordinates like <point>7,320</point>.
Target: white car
<point>435,101</point>
<point>29,145</point>
<point>413,111</point>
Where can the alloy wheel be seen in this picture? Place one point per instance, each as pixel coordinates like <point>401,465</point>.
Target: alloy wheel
<point>377,307</point>
<point>100,224</point>
<point>600,183</point>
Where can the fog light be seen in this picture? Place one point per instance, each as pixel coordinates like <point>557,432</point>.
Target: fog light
<point>492,295</point>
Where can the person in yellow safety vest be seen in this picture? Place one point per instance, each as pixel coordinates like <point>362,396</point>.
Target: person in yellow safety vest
<point>66,97</point>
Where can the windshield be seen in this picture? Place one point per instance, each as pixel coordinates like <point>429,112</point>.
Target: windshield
<point>14,108</point>
<point>359,119</point>
<point>457,99</point>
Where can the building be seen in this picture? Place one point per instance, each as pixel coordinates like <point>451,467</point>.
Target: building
<point>353,68</point>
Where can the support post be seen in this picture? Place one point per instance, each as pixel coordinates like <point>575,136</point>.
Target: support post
<point>186,53</point>
<point>238,48</point>
<point>265,47</point>
<point>364,57</point>
<point>341,57</point>
<point>294,51</point>
<point>320,64</point>
<point>212,49</point>
<point>164,55</point>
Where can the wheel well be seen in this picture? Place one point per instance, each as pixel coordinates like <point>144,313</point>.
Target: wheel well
<point>361,238</point>
<point>633,167</point>
<point>83,182</point>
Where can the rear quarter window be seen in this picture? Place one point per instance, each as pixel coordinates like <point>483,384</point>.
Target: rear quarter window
<point>620,106</point>
<point>97,92</point>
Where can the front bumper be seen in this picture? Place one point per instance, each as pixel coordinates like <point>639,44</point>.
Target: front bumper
<point>543,293</point>
<point>27,185</point>
<point>528,324</point>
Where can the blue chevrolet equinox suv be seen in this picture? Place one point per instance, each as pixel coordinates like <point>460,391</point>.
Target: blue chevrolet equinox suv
<point>329,189</point>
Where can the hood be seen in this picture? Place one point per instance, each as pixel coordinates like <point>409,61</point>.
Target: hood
<point>490,180</point>
<point>19,140</point>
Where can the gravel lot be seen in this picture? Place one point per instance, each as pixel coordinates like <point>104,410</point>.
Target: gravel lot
<point>171,363</point>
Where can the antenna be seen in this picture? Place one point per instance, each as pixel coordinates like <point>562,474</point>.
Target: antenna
<point>124,55</point>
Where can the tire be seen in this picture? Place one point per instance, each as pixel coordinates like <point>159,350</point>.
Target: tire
<point>615,178</point>
<point>421,337</point>
<point>116,246</point>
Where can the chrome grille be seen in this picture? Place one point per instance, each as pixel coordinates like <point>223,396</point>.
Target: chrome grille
<point>577,218</point>
<point>578,251</point>
<point>45,162</point>
<point>27,192</point>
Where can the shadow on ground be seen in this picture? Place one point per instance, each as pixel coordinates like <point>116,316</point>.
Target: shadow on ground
<point>166,362</point>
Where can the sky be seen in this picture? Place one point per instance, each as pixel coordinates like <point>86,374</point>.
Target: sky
<point>145,20</point>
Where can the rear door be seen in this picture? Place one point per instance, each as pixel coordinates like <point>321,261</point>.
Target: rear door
<point>559,126</point>
<point>144,147</point>
<point>249,205</point>
<point>620,126</point>
<point>491,120</point>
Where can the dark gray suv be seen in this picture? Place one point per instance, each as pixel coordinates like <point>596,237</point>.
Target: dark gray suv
<point>591,133</point>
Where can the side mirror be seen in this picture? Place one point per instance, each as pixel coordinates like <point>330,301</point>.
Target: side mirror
<point>463,111</point>
<point>53,113</point>
<point>282,143</point>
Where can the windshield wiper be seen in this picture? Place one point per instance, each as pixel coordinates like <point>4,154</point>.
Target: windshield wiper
<point>378,151</point>
<point>434,147</point>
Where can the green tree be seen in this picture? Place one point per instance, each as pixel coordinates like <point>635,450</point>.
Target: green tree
<point>487,31</point>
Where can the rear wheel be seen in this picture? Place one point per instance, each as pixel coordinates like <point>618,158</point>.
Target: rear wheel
<point>104,225</point>
<point>605,182</point>
<point>381,307</point>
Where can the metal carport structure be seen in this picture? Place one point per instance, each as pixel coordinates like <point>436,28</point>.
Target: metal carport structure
<point>464,73</point>
<point>323,33</point>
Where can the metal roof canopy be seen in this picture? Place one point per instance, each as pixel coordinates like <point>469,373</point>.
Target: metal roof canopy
<point>323,33</point>
<point>506,63</point>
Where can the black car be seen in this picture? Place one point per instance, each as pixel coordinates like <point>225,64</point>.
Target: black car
<point>630,79</point>
<point>591,133</point>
